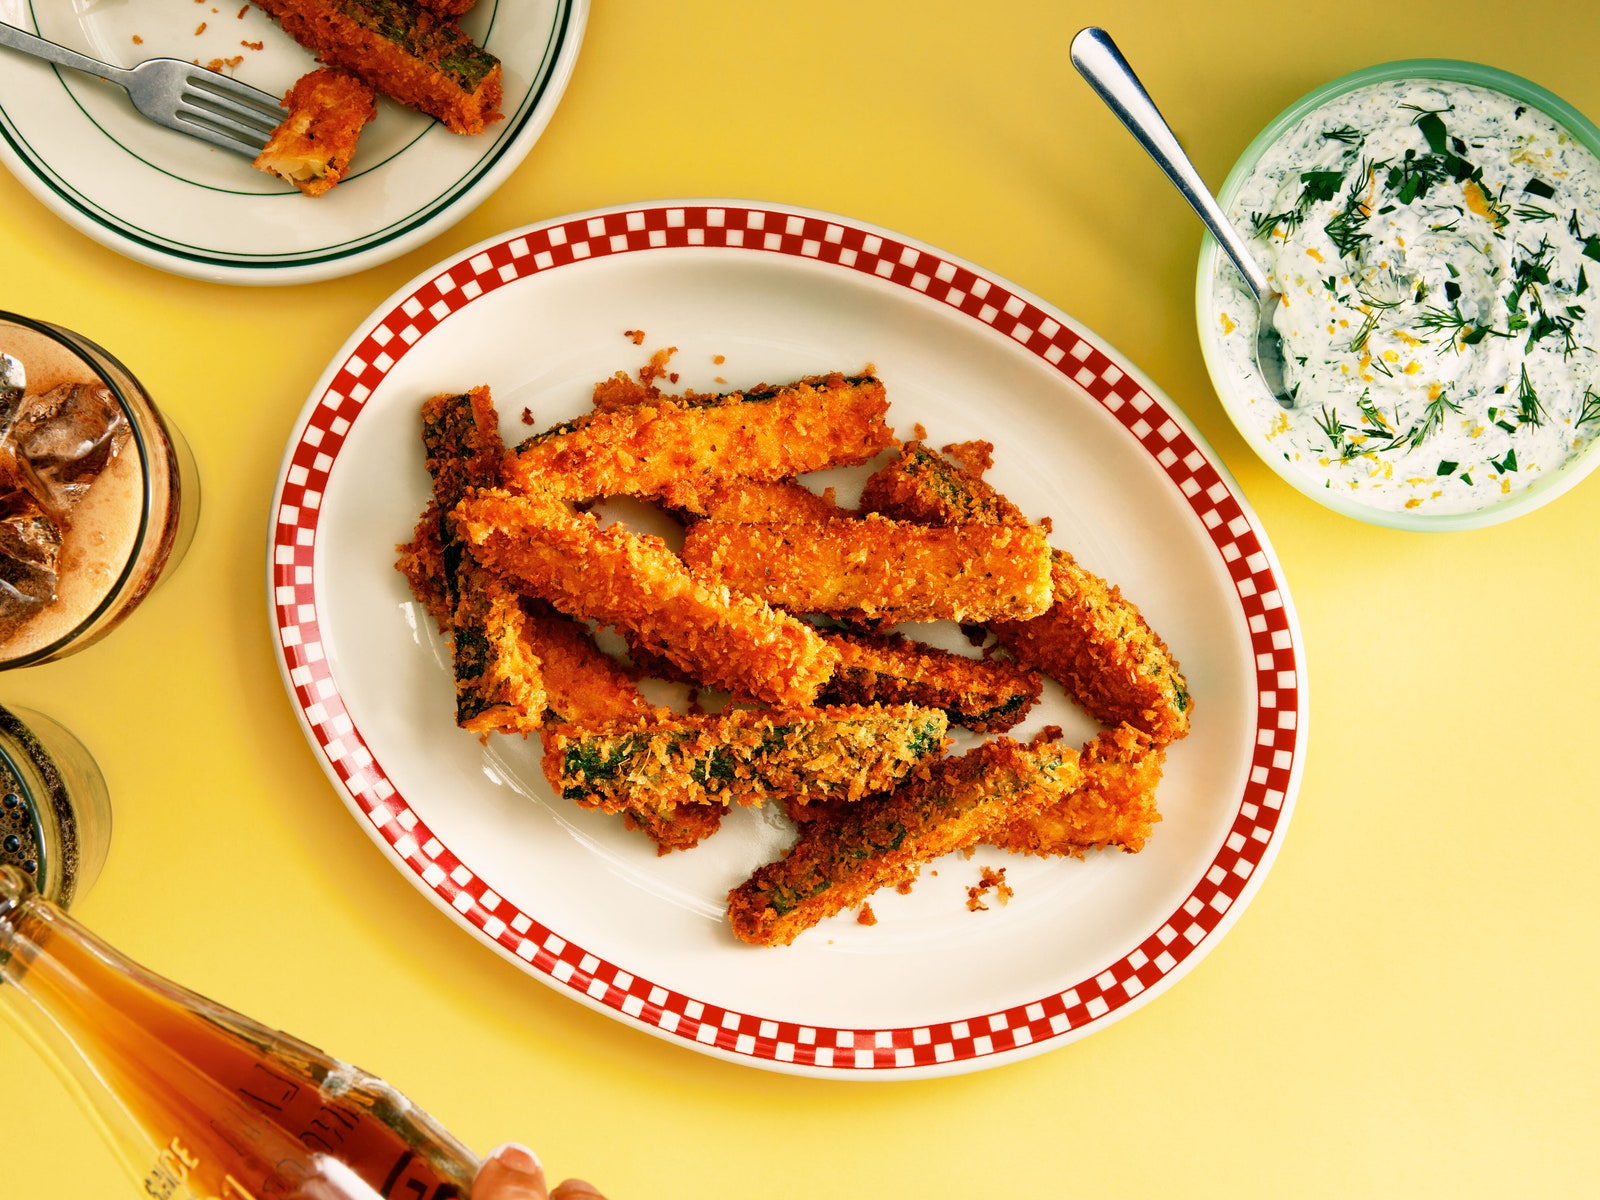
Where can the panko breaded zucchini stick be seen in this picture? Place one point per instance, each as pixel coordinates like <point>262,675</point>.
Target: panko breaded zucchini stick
<point>743,756</point>
<point>752,501</point>
<point>312,147</point>
<point>402,50</point>
<point>676,450</point>
<point>922,486</point>
<point>844,857</point>
<point>589,690</point>
<point>637,584</point>
<point>880,568</point>
<point>1097,645</point>
<point>985,695</point>
<point>1093,641</point>
<point>1114,805</point>
<point>498,685</point>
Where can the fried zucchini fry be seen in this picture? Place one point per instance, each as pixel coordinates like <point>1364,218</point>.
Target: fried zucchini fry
<point>498,683</point>
<point>751,501</point>
<point>743,756</point>
<point>842,858</point>
<point>676,450</point>
<point>1093,641</point>
<point>312,147</point>
<point>587,689</point>
<point>921,486</point>
<point>985,695</point>
<point>399,49</point>
<point>637,584</point>
<point>1097,645</point>
<point>1114,805</point>
<point>880,568</point>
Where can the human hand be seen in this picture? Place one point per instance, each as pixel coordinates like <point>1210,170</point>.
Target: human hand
<point>513,1172</point>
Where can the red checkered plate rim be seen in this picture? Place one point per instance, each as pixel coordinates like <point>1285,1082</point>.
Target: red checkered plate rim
<point>872,265</point>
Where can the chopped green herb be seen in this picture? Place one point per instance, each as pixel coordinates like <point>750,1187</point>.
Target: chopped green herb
<point>1590,410</point>
<point>1538,187</point>
<point>1529,408</point>
<point>1446,467</point>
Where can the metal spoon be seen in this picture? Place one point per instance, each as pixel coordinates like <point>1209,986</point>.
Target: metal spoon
<point>1100,62</point>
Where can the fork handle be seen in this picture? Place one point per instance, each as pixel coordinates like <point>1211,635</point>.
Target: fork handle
<point>11,36</point>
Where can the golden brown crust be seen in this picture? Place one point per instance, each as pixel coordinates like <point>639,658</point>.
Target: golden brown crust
<point>749,500</point>
<point>678,449</point>
<point>1093,641</point>
<point>421,561</point>
<point>1113,805</point>
<point>986,695</point>
<point>313,146</point>
<point>742,756</point>
<point>402,51</point>
<point>636,583</point>
<point>849,852</point>
<point>1100,648</point>
<point>919,485</point>
<point>880,568</point>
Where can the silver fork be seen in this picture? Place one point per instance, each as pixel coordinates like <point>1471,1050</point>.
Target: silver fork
<point>174,93</point>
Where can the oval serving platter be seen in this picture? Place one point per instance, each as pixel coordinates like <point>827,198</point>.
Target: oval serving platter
<point>745,293</point>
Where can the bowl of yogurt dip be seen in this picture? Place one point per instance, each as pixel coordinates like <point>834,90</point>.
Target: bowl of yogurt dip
<point>1433,228</point>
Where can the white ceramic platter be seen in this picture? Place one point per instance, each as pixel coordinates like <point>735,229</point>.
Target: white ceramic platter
<point>580,903</point>
<point>181,205</point>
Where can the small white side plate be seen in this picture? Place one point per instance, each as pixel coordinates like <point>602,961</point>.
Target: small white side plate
<point>183,206</point>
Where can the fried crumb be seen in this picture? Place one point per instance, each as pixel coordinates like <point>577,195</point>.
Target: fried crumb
<point>240,14</point>
<point>919,432</point>
<point>866,916</point>
<point>137,40</point>
<point>904,886</point>
<point>720,380</point>
<point>993,880</point>
<point>253,45</point>
<point>528,417</point>
<point>973,457</point>
<point>221,64</point>
<point>719,359</point>
<point>201,28</point>
<point>636,336</point>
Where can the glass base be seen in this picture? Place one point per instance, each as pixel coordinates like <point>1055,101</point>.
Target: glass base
<point>55,811</point>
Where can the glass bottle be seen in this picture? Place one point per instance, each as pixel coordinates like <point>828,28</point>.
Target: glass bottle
<point>201,1103</point>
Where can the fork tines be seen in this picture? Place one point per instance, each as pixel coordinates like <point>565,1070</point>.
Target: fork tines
<point>221,106</point>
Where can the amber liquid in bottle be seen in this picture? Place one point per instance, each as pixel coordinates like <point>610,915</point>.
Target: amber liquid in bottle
<point>200,1102</point>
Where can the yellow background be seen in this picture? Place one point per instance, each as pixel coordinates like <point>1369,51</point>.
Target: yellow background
<point>1408,1008</point>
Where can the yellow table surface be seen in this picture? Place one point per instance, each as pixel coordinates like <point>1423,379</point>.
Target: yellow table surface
<point>1408,1006</point>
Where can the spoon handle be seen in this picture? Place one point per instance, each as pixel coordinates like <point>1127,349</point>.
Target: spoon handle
<point>1100,62</point>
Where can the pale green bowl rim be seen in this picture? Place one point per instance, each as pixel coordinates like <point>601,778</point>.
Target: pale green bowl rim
<point>1211,257</point>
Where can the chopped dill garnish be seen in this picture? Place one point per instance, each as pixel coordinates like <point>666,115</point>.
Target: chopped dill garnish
<point>1344,230</point>
<point>1532,212</point>
<point>1528,407</point>
<point>1590,410</point>
<point>1348,134</point>
<point>1432,419</point>
<point>1314,186</point>
<point>1334,430</point>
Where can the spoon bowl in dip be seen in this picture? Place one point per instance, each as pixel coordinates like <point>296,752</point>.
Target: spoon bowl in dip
<point>1100,62</point>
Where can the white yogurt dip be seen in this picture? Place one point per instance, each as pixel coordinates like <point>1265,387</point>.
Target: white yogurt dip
<point>1437,247</point>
